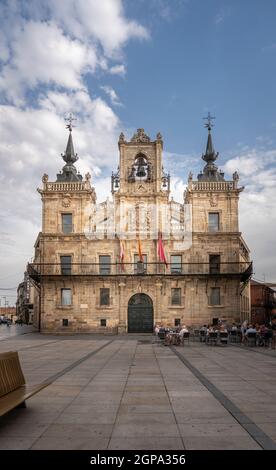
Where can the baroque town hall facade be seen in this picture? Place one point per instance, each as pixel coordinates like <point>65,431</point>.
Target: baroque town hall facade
<point>140,259</point>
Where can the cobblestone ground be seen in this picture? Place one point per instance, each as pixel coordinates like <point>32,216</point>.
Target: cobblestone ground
<point>109,392</point>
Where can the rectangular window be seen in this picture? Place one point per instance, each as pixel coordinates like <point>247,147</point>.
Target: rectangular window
<point>176,321</point>
<point>104,296</point>
<point>66,297</point>
<point>105,264</point>
<point>138,269</point>
<point>65,264</point>
<point>176,264</point>
<point>213,221</point>
<point>214,264</point>
<point>65,322</point>
<point>103,321</point>
<point>176,296</point>
<point>215,296</point>
<point>67,223</point>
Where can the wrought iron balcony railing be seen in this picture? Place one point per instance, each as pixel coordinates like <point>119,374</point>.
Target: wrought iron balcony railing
<point>236,269</point>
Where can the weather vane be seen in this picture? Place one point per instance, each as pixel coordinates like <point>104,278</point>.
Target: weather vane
<point>70,120</point>
<point>209,119</point>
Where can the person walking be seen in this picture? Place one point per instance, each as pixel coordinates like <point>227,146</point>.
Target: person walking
<point>243,330</point>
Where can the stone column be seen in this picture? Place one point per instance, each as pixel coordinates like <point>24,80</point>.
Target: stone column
<point>122,312</point>
<point>157,313</point>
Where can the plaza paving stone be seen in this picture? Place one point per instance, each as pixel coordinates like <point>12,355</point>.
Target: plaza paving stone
<point>111,392</point>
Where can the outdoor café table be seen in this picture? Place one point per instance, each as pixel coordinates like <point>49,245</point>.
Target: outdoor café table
<point>174,338</point>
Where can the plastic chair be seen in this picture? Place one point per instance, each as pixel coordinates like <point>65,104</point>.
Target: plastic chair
<point>213,338</point>
<point>223,336</point>
<point>196,335</point>
<point>233,336</point>
<point>202,336</point>
<point>251,339</point>
<point>162,333</point>
<point>186,336</point>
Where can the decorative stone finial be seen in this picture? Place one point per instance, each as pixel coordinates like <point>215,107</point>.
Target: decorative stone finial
<point>122,137</point>
<point>140,136</point>
<point>45,178</point>
<point>236,176</point>
<point>87,176</point>
<point>159,136</point>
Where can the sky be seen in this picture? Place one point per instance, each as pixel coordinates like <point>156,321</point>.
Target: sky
<point>119,65</point>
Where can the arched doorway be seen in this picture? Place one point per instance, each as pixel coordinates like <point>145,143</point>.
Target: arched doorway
<point>140,314</point>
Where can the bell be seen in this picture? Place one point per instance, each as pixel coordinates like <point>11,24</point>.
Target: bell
<point>141,172</point>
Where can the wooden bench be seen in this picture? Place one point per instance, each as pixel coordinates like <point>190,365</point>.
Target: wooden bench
<point>13,389</point>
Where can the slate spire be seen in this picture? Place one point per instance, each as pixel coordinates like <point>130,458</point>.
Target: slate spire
<point>210,171</point>
<point>69,171</point>
<point>69,152</point>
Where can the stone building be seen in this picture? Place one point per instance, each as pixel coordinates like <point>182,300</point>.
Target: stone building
<point>263,300</point>
<point>7,312</point>
<point>141,258</point>
<point>25,300</point>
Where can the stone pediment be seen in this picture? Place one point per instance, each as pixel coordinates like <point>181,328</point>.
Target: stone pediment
<point>140,136</point>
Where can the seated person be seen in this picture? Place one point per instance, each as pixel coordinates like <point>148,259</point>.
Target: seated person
<point>181,333</point>
<point>156,329</point>
<point>250,329</point>
<point>243,330</point>
<point>169,338</point>
<point>183,330</point>
<point>210,329</point>
<point>257,327</point>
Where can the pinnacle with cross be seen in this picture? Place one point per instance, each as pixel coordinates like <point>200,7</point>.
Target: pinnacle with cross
<point>69,171</point>
<point>210,171</point>
<point>209,120</point>
<point>70,120</point>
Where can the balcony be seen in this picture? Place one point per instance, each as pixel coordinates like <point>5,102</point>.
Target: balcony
<point>238,270</point>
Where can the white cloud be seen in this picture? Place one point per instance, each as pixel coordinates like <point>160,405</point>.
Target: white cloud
<point>177,189</point>
<point>221,16</point>
<point>51,59</point>
<point>118,70</point>
<point>177,163</point>
<point>46,51</point>
<point>61,42</point>
<point>257,206</point>
<point>102,20</point>
<point>112,95</point>
<point>4,49</point>
<point>251,161</point>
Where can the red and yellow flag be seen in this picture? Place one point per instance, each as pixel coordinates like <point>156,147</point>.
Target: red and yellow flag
<point>140,250</point>
<point>161,252</point>
<point>122,255</point>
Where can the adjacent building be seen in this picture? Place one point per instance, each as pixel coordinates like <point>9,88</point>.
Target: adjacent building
<point>8,312</point>
<point>140,258</point>
<point>263,300</point>
<point>25,300</point>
